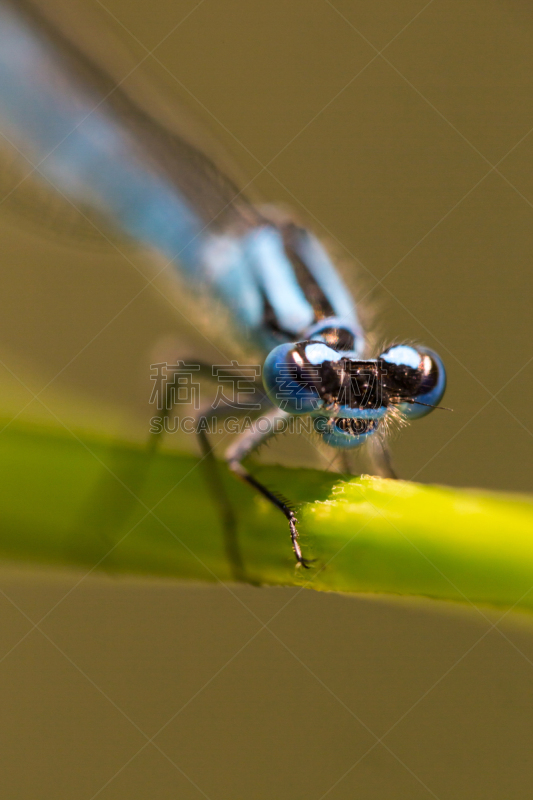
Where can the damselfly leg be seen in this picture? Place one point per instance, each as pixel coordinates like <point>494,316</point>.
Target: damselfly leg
<point>263,428</point>
<point>213,478</point>
<point>204,417</point>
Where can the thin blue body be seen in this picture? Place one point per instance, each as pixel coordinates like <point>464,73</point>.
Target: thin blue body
<point>96,158</point>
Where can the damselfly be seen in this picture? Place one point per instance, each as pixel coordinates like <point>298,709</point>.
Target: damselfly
<point>272,285</point>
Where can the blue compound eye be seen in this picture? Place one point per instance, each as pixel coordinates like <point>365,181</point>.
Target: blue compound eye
<point>416,374</point>
<point>345,432</point>
<point>291,380</point>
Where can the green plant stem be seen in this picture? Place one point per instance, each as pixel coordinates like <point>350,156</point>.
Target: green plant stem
<point>80,502</point>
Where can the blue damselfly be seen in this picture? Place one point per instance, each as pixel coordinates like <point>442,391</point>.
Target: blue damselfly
<point>272,286</point>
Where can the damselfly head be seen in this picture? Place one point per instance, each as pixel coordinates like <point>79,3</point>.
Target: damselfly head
<point>312,378</point>
<point>350,396</point>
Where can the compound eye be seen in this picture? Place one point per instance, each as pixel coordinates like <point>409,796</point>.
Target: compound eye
<point>423,373</point>
<point>291,381</point>
<point>346,433</point>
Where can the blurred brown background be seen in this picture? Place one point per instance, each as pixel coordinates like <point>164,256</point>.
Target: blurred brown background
<point>415,163</point>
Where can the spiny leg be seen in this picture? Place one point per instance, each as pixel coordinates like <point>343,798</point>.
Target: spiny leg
<point>167,393</point>
<point>240,449</point>
<point>212,475</point>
